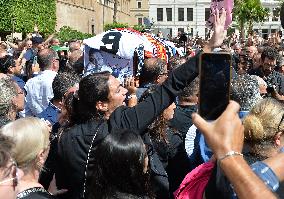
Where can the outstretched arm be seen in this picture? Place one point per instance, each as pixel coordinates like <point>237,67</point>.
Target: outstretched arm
<point>141,115</point>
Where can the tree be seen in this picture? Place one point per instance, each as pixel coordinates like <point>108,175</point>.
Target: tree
<point>247,12</point>
<point>23,15</point>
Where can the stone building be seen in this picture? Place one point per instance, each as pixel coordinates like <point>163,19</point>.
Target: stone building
<point>90,16</point>
<point>171,16</point>
<point>140,10</point>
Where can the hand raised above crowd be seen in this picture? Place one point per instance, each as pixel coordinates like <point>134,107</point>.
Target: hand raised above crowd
<point>224,134</point>
<point>219,31</point>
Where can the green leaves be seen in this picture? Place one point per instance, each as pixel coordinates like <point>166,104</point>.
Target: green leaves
<point>66,34</point>
<point>140,28</point>
<point>246,12</point>
<point>25,14</point>
<point>115,25</point>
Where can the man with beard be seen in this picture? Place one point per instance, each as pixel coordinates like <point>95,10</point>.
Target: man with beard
<point>267,72</point>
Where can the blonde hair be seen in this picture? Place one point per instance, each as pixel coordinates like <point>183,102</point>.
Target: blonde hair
<point>262,122</point>
<point>31,136</point>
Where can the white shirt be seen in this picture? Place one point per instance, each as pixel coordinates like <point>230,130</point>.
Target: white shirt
<point>189,140</point>
<point>39,92</point>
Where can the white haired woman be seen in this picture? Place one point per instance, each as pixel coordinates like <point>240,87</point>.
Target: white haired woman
<point>31,138</point>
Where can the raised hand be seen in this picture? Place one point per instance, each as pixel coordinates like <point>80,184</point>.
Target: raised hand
<point>224,134</point>
<point>219,31</point>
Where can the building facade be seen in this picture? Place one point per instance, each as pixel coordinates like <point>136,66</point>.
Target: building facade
<point>172,16</point>
<point>90,16</point>
<point>139,9</point>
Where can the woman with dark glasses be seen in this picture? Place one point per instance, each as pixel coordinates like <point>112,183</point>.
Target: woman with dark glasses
<point>31,138</point>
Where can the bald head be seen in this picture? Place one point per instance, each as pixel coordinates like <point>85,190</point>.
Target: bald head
<point>251,51</point>
<point>153,69</point>
<point>75,56</point>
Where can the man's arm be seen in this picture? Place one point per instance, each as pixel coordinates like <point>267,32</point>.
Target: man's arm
<point>226,134</point>
<point>246,183</point>
<point>276,164</point>
<point>12,45</point>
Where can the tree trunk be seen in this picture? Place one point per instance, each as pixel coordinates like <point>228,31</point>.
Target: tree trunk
<point>115,10</point>
<point>242,27</point>
<point>250,27</point>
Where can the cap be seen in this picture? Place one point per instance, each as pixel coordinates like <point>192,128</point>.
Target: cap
<point>37,40</point>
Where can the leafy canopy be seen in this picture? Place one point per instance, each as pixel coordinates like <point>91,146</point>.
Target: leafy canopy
<point>24,14</point>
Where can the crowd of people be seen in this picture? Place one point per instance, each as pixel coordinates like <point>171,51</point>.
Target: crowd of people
<point>69,135</point>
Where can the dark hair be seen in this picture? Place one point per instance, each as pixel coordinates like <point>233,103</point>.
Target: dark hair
<point>189,91</point>
<point>118,167</point>
<point>6,62</point>
<point>153,67</point>
<point>269,53</point>
<point>62,82</point>
<point>157,129</point>
<point>92,89</point>
<point>5,150</point>
<point>45,58</point>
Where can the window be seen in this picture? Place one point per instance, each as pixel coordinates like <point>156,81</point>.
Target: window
<point>181,30</point>
<point>265,33</point>
<point>275,14</point>
<point>139,5</point>
<point>207,13</point>
<point>140,21</point>
<point>160,14</point>
<point>93,29</point>
<point>181,14</point>
<point>191,32</point>
<point>189,14</point>
<point>169,14</point>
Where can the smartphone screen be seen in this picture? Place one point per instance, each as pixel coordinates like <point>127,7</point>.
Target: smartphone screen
<point>215,79</point>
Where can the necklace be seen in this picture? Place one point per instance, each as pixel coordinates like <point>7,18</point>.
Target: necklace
<point>27,192</point>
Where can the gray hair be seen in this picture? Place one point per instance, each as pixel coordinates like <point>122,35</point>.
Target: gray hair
<point>8,91</point>
<point>245,91</point>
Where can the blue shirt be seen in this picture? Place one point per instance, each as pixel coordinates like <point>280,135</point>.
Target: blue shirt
<point>19,81</point>
<point>50,113</point>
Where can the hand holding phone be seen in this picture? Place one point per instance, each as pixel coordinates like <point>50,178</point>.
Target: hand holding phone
<point>215,80</point>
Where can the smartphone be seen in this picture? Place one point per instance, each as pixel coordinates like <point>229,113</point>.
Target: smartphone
<point>215,72</point>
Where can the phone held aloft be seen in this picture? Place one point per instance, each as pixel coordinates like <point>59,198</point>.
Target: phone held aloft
<point>215,72</point>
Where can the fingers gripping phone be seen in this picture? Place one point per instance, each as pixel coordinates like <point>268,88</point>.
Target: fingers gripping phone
<point>215,71</point>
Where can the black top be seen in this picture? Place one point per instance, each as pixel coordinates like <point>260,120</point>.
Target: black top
<point>35,193</point>
<point>75,142</point>
<point>182,120</point>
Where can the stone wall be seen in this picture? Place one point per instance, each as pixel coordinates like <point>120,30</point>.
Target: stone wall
<point>90,15</point>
